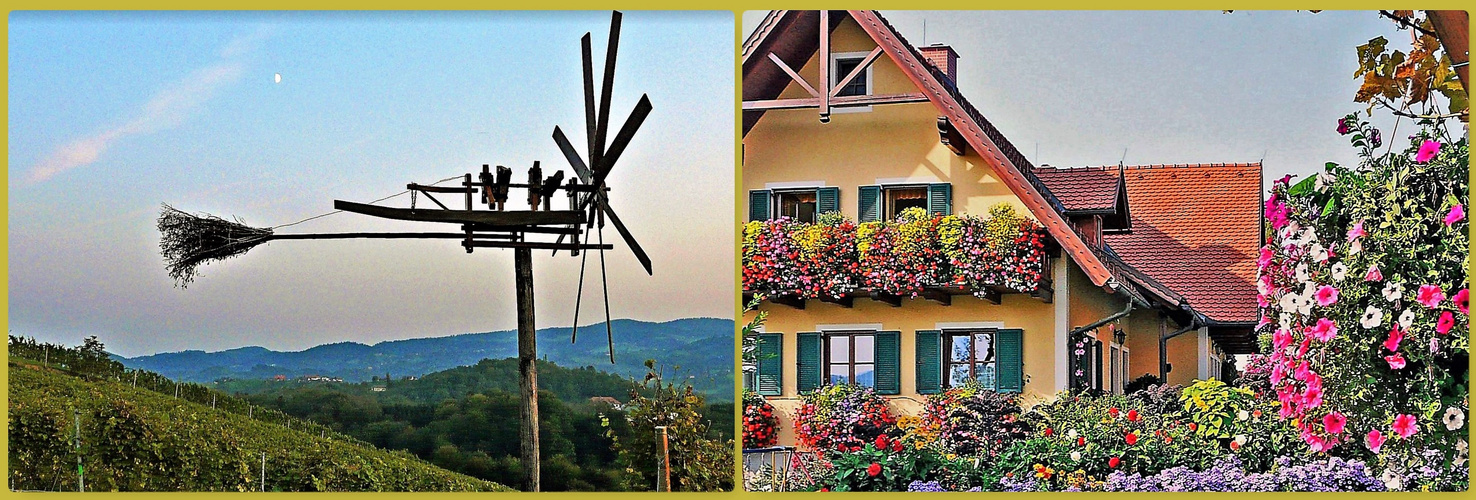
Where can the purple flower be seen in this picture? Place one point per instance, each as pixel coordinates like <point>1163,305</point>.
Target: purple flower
<point>1373,138</point>
<point>1343,127</point>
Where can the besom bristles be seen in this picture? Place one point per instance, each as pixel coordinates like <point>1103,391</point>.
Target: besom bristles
<point>188,240</point>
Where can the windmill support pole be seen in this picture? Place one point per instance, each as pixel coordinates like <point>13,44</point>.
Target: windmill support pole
<point>527,356</point>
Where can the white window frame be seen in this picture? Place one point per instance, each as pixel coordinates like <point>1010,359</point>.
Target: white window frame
<point>865,74</point>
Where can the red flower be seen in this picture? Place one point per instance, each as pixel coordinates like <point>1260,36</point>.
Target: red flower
<point>874,469</point>
<point>1081,441</point>
<point>1113,411</point>
<point>897,446</point>
<point>1133,416</point>
<point>1193,426</point>
<point>1132,438</point>
<point>1048,432</point>
<point>881,442</point>
<point>1112,462</point>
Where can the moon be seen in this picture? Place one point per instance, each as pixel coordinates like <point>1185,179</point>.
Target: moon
<point>277,77</point>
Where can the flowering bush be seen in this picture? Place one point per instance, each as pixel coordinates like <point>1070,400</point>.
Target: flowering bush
<point>1228,474</point>
<point>842,417</point>
<point>760,426</point>
<point>881,465</point>
<point>835,256</point>
<point>1363,287</point>
<point>974,421</point>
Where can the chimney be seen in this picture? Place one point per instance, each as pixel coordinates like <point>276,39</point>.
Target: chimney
<point>942,57</point>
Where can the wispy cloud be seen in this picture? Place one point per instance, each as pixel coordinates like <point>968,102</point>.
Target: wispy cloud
<point>169,107</point>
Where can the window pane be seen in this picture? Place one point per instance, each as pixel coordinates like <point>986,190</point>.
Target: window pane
<point>840,374</point>
<point>960,348</point>
<point>840,349</point>
<point>985,373</point>
<point>866,375</point>
<point>984,346</point>
<point>844,67</point>
<point>865,349</point>
<point>805,212</point>
<point>958,375</point>
<point>899,199</point>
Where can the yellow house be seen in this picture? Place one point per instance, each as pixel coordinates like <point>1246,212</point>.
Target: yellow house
<point>1137,260</point>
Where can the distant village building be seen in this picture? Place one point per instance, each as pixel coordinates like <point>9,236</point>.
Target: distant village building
<point>607,401</point>
<point>280,378</point>
<point>377,388</point>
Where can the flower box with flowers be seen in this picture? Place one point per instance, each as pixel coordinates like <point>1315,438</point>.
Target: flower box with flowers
<point>834,257</point>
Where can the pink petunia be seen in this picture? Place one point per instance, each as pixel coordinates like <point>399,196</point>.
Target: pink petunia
<point>1462,300</point>
<point>1324,330</point>
<point>1327,295</point>
<point>1373,274</point>
<point>1427,152</point>
<point>1302,371</point>
<point>1265,258</point>
<point>1446,322</point>
<point>1396,361</point>
<point>1312,398</point>
<point>1374,440</point>
<point>1395,337</point>
<point>1457,213</point>
<point>1430,296</point>
<point>1357,231</point>
<point>1334,422</point>
<point>1281,339</point>
<point>1405,425</point>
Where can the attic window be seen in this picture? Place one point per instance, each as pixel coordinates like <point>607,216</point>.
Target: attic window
<point>860,86</point>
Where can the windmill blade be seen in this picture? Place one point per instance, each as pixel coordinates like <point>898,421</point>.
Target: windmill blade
<point>573,156</point>
<point>589,105</point>
<point>603,121</point>
<point>635,248</point>
<point>579,292</point>
<point>605,284</point>
<point>617,146</point>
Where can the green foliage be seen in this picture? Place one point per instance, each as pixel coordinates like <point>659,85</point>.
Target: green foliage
<point>699,459</point>
<point>1213,406</point>
<point>883,468</point>
<point>138,440</point>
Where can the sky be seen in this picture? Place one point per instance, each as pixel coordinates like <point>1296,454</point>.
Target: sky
<point>112,114</point>
<point>1154,87</point>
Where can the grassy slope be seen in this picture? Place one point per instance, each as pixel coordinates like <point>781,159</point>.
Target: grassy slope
<point>135,439</point>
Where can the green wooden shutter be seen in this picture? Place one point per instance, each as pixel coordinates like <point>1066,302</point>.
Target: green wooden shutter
<point>807,346</point>
<point>770,364</point>
<point>1009,354</point>
<point>929,362</point>
<point>940,198</point>
<point>827,200</point>
<point>888,362</point>
<point>868,204</point>
<point>758,204</point>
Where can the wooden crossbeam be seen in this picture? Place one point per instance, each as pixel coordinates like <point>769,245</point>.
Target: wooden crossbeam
<point>860,68</point>
<point>537,245</point>
<point>794,75</point>
<point>487,218</point>
<point>837,102</point>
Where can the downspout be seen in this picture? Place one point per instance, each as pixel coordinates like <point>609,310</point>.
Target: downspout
<point>1194,324</point>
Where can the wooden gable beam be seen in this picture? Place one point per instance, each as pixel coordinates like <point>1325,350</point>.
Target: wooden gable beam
<point>824,60</point>
<point>836,102</point>
<point>950,136</point>
<point>793,75</point>
<point>860,68</point>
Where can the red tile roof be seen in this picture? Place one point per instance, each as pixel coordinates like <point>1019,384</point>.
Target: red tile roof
<point>1082,189</point>
<point>1197,230</point>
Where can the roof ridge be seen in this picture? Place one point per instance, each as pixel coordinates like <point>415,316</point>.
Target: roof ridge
<point>1153,166</point>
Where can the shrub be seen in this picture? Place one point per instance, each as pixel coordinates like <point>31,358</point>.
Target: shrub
<point>842,416</point>
<point>1143,382</point>
<point>760,426</point>
<point>974,421</point>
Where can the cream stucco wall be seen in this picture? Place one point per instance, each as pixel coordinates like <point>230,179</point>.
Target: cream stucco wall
<point>1015,311</point>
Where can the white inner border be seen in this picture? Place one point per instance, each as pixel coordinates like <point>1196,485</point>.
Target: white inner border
<point>794,184</point>
<point>875,327</point>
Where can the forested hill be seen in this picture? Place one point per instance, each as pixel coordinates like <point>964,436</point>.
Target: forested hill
<point>699,348</point>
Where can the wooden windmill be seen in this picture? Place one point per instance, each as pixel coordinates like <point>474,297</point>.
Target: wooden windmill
<point>189,240</point>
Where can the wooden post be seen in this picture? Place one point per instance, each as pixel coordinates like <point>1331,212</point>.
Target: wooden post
<point>77,439</point>
<point>527,355</point>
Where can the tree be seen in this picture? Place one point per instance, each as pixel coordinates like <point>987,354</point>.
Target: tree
<point>700,460</point>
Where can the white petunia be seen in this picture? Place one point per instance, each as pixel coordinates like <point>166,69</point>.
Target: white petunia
<point>1241,439</point>
<point>1076,456</point>
<point>1302,275</point>
<point>1318,253</point>
<point>1462,448</point>
<point>1284,320</point>
<point>1243,415</point>
<point>1324,180</point>
<point>1372,317</point>
<point>1339,271</point>
<point>1393,291</point>
<point>1406,318</point>
<point>1288,301</point>
<point>1392,480</point>
<point>1071,433</point>
<point>1355,247</point>
<point>1454,418</point>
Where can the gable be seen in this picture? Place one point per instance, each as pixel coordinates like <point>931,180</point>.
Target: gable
<point>785,34</point>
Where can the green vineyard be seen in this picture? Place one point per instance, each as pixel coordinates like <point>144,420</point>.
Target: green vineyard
<point>133,439</point>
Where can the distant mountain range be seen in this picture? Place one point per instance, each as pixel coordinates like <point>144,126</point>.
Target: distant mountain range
<point>699,348</point>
